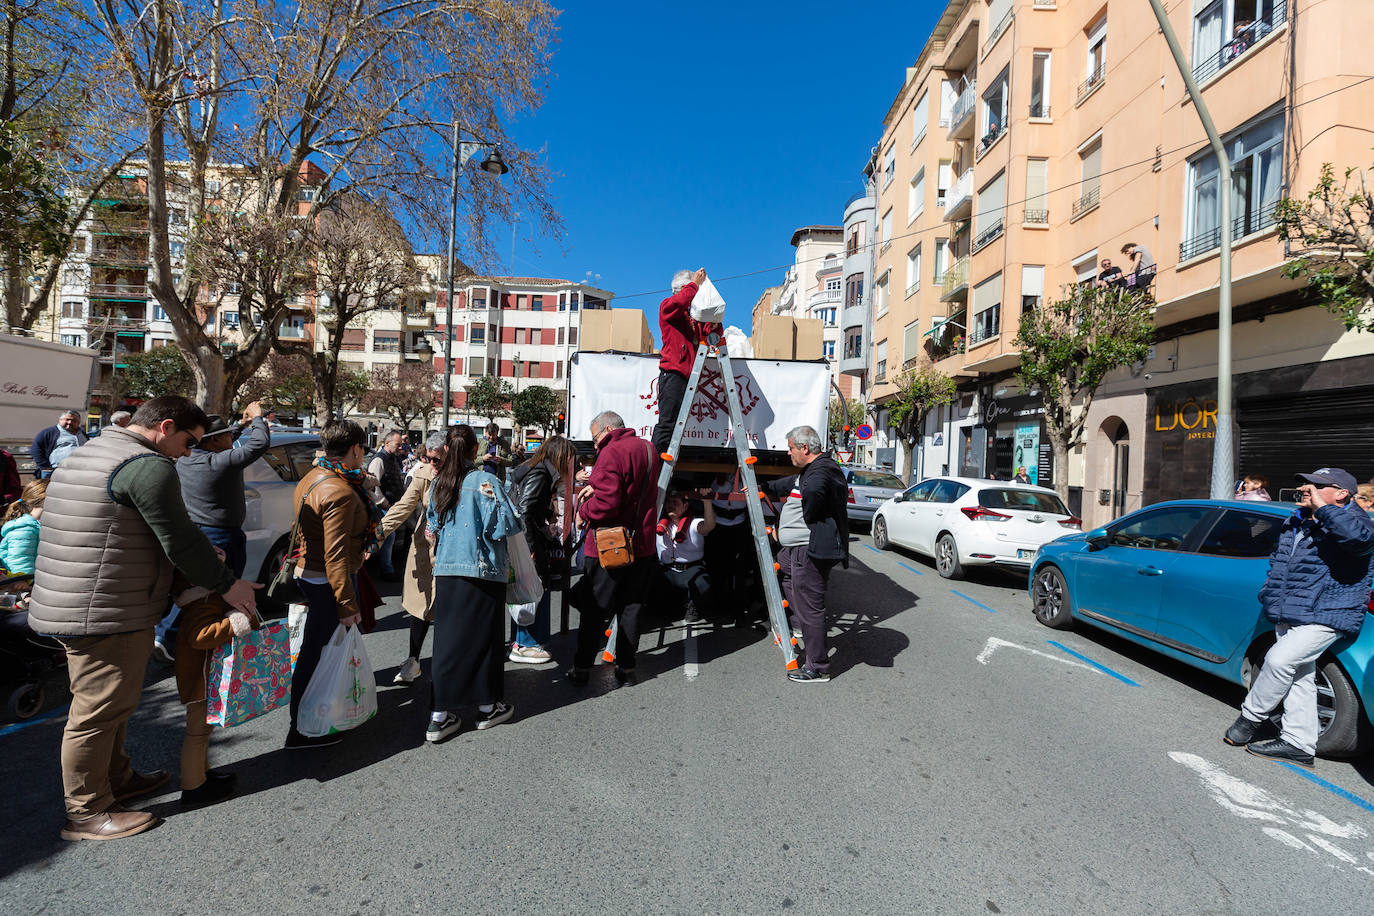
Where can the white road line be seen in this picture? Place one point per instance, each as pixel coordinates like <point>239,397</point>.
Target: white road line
<point>993,644</point>
<point>689,651</point>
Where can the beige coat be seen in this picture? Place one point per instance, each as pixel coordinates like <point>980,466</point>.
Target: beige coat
<point>417,595</point>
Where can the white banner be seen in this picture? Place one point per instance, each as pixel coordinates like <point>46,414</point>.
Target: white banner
<point>39,380</point>
<point>774,395</point>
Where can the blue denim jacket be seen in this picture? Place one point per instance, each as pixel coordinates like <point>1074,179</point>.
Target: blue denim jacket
<point>472,538</point>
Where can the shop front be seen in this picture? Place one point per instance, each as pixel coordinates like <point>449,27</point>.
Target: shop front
<point>1014,437</point>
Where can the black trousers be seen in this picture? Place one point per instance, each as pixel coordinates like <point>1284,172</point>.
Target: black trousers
<point>469,663</point>
<point>734,565</point>
<point>675,587</point>
<point>671,388</point>
<point>602,594</point>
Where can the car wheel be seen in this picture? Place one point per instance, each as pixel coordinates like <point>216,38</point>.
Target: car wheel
<point>1050,595</point>
<point>947,558</point>
<point>1343,729</point>
<point>26,701</point>
<point>880,540</point>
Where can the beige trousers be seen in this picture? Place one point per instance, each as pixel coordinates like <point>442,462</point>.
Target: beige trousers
<point>195,747</point>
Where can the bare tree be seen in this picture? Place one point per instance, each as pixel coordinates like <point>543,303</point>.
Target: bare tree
<point>342,87</point>
<point>405,393</point>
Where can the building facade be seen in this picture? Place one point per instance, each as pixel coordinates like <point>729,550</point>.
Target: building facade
<point>812,288</point>
<point>1031,141</point>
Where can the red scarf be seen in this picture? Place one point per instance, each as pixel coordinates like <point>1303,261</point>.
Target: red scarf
<point>683,525</point>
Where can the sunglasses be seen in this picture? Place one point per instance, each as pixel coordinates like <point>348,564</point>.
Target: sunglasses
<point>191,441</point>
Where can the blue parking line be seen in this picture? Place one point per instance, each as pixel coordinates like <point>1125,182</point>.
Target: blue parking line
<point>990,610</point>
<point>912,568</point>
<point>19,726</point>
<point>1103,668</point>
<point>872,548</point>
<point>1330,787</point>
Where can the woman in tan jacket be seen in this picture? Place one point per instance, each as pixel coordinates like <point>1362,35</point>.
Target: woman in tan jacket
<point>417,595</point>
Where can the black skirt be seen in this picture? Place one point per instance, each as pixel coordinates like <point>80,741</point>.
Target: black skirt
<point>469,664</point>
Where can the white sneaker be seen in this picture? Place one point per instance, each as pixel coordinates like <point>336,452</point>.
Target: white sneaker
<point>162,653</point>
<point>410,670</point>
<point>530,655</point>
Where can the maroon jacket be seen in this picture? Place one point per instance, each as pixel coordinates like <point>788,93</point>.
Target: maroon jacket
<point>624,486</point>
<point>679,331</point>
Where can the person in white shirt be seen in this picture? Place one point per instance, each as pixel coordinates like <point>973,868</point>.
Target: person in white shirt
<point>681,545</point>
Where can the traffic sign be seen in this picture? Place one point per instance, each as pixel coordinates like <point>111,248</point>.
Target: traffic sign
<point>844,456</point>
<point>864,432</point>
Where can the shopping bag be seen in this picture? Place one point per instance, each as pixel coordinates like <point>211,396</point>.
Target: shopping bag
<point>523,584</point>
<point>522,614</point>
<point>249,675</point>
<point>295,623</point>
<point>342,693</point>
<point>707,305</point>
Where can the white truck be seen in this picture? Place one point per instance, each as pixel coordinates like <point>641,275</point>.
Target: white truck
<point>38,381</point>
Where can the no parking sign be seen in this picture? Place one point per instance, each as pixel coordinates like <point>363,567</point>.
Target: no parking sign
<point>864,432</point>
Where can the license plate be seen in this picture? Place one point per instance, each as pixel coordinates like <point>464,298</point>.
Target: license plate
<point>877,500</point>
<point>1024,554</point>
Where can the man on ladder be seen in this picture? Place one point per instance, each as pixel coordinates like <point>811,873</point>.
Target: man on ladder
<point>680,335</point>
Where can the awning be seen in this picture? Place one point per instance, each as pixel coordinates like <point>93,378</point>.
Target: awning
<point>940,324</point>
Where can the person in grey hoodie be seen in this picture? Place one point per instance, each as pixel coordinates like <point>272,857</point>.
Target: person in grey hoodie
<point>212,488</point>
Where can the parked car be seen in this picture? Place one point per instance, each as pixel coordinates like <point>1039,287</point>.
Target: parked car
<point>1183,578</point>
<point>964,521</point>
<point>269,489</point>
<point>869,488</point>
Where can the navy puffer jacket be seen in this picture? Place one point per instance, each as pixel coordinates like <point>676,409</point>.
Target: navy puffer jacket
<point>1321,570</point>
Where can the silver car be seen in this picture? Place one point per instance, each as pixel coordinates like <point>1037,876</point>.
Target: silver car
<point>269,486</point>
<point>869,488</point>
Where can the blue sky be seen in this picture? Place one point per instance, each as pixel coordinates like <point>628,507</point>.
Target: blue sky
<point>688,136</point>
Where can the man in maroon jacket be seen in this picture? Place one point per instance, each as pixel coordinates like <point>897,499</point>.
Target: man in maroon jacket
<point>680,335</point>
<point>622,490</point>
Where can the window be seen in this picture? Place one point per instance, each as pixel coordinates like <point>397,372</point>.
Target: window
<point>941,258</point>
<point>832,284</point>
<point>1097,53</point>
<point>1223,30</point>
<point>851,247</point>
<point>944,177</point>
<point>231,319</point>
<point>522,302</point>
<point>307,194</point>
<point>882,291</point>
<point>854,291</point>
<point>987,221</point>
<point>1256,171</point>
<point>916,196</point>
<point>987,310</point>
<point>537,303</point>
<point>1244,535</point>
<point>880,367</point>
<point>994,112</point>
<point>558,369</point>
<point>477,366</point>
<point>1037,192</point>
<point>532,369</point>
<point>920,117</point>
<point>854,345</point>
<point>1163,529</point>
<point>477,334</point>
<point>73,308</point>
<point>211,187</point>
<point>572,337</point>
<point>386,342</point>
<point>827,316</point>
<point>1040,84</point>
<point>159,313</point>
<point>177,249</point>
<point>920,493</point>
<point>1025,500</point>
<point>1032,287</point>
<point>293,327</point>
<point>948,96</point>
<point>885,233</point>
<point>828,348</point>
<point>1090,183</point>
<point>889,166</point>
<point>73,340</point>
<point>560,336</point>
<point>913,270</point>
<point>176,216</point>
<point>1085,267</point>
<point>911,343</point>
<point>947,491</point>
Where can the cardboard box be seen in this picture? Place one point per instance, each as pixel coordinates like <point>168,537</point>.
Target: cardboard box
<point>625,330</point>
<point>807,343</point>
<point>774,337</point>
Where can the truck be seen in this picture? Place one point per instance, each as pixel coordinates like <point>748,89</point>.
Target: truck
<point>39,380</point>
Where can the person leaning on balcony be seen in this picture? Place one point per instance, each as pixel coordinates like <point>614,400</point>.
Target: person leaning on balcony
<point>1109,276</point>
<point>56,442</point>
<point>1142,264</point>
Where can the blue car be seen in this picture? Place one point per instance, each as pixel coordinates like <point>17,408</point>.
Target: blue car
<point>1183,578</point>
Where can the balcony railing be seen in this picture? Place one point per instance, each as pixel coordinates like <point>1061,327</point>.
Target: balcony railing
<point>1086,202</point>
<point>1245,38</point>
<point>963,106</point>
<point>118,256</point>
<point>989,235</point>
<point>115,225</point>
<point>1090,85</point>
<point>1040,109</point>
<point>1036,217</point>
<point>959,194</point>
<point>118,291</point>
<point>822,296</point>
<point>986,324</point>
<point>1243,225</point>
<point>955,278</point>
<point>997,32</point>
<point>120,323</point>
<point>994,134</point>
<point>1044,4</point>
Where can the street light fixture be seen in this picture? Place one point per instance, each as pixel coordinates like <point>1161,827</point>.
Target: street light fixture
<point>491,164</point>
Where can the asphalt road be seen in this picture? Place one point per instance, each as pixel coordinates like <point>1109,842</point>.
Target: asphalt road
<point>958,763</point>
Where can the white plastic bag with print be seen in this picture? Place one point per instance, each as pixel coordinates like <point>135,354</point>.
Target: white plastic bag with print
<point>707,305</point>
<point>737,345</point>
<point>523,585</point>
<point>342,693</point>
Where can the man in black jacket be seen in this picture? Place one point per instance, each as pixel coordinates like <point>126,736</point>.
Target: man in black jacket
<point>813,529</point>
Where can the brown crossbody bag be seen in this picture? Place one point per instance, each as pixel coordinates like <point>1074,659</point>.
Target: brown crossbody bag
<point>615,547</point>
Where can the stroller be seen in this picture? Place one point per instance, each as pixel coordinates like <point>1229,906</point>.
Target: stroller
<point>25,657</point>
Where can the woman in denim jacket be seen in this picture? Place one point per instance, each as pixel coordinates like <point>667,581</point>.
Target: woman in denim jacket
<point>469,517</point>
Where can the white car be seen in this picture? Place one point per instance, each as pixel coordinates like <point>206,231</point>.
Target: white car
<point>963,521</point>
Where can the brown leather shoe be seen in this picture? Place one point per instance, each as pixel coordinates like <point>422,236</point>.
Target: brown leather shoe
<point>142,784</point>
<point>108,825</point>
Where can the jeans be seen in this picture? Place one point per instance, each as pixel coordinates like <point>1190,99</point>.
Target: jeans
<point>384,554</point>
<point>537,633</point>
<point>1289,678</point>
<point>671,388</point>
<point>234,543</point>
<point>321,619</point>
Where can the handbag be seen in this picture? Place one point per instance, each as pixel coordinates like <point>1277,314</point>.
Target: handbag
<point>282,589</point>
<point>249,675</point>
<point>615,547</point>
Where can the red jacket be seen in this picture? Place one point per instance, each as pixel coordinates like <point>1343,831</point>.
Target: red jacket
<point>679,332</point>
<point>624,486</point>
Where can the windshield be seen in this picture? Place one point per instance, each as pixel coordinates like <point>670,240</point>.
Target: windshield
<point>875,479</point>
<point>1026,500</point>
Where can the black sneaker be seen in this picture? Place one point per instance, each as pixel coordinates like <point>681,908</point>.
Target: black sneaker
<point>626,677</point>
<point>216,788</point>
<point>295,741</point>
<point>440,730</point>
<point>808,676</point>
<point>501,712</point>
<point>1278,749</point>
<point>1241,732</point>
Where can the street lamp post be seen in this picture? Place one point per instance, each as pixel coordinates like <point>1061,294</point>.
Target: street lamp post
<point>492,164</point>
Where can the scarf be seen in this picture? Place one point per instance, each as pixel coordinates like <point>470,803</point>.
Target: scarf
<point>354,478</point>
<point>684,524</point>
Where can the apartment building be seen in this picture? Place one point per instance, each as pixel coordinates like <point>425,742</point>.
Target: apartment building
<point>812,288</point>
<point>856,312</point>
<point>1031,140</point>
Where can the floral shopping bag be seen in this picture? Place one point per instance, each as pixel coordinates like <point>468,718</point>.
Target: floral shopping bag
<point>249,676</point>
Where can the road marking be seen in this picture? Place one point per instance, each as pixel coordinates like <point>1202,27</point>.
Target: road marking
<point>993,644</point>
<point>690,669</point>
<point>1330,787</point>
<point>990,610</point>
<point>912,568</point>
<point>20,726</point>
<point>1120,677</point>
<point>1279,819</point>
<point>872,548</point>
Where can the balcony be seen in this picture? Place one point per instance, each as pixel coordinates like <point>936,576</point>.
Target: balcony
<point>989,235</point>
<point>1209,65</point>
<point>419,319</point>
<point>986,325</point>
<point>128,292</point>
<point>946,338</point>
<point>954,281</point>
<point>961,115</point>
<point>116,323</point>
<point>124,188</point>
<point>997,32</point>
<point>989,139</point>
<point>116,224</point>
<point>1246,224</point>
<point>1036,217</point>
<point>821,297</point>
<point>1040,110</point>
<point>1086,203</point>
<point>1092,83</point>
<point>126,256</point>
<point>959,197</point>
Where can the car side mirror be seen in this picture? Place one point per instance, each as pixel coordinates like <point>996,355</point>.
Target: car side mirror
<point>899,498</point>
<point>1097,538</point>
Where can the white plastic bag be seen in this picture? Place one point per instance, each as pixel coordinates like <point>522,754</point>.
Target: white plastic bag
<point>342,693</point>
<point>522,614</point>
<point>707,305</point>
<point>295,626</point>
<point>523,585</point>
<point>737,345</point>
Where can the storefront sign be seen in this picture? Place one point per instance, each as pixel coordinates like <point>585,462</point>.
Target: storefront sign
<point>1027,450</point>
<point>1196,418</point>
<point>1180,429</point>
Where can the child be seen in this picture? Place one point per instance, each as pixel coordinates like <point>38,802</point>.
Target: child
<point>19,535</point>
<point>1252,489</point>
